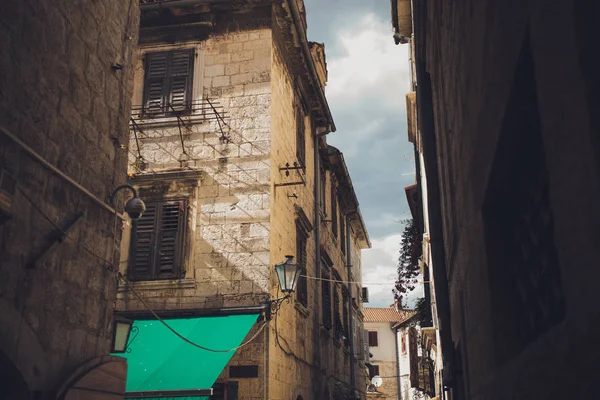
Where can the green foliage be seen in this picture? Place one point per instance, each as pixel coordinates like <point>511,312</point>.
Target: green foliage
<point>408,262</point>
<point>423,309</point>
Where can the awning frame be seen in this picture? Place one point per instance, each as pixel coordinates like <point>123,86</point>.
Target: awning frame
<point>192,312</point>
<point>155,394</point>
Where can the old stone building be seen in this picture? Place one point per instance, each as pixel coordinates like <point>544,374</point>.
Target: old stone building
<point>509,134</point>
<point>385,350</point>
<point>228,149</point>
<point>65,91</point>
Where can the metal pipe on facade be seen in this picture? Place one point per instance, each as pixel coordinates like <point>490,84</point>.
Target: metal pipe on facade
<point>33,154</point>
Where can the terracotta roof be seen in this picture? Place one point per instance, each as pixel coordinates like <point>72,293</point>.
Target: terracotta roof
<point>385,315</point>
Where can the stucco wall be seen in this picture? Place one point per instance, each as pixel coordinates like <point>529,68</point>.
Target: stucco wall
<point>59,95</point>
<point>384,355</point>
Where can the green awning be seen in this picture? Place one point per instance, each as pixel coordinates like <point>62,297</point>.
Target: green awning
<point>158,360</point>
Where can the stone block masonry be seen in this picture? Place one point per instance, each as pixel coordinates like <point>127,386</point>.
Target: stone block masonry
<point>59,95</point>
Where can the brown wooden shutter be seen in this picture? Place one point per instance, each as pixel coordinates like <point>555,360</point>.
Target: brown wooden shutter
<point>180,80</point>
<point>142,254</point>
<point>302,287</point>
<point>343,233</point>
<point>155,82</point>
<point>300,136</point>
<point>326,300</point>
<point>373,339</point>
<point>334,213</point>
<point>170,243</point>
<point>413,357</point>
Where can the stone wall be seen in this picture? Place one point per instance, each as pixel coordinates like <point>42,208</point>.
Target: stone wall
<point>240,221</point>
<point>474,52</point>
<point>60,96</point>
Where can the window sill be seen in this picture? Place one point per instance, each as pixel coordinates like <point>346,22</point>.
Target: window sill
<point>160,285</point>
<point>301,309</point>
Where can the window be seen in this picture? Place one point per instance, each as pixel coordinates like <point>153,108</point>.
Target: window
<point>343,233</point>
<point>403,343</point>
<point>337,318</point>
<point>168,81</point>
<point>157,242</point>
<point>374,371</point>
<point>323,193</point>
<point>300,136</point>
<point>302,289</point>
<point>373,339</point>
<point>346,315</point>
<point>334,213</point>
<point>326,299</point>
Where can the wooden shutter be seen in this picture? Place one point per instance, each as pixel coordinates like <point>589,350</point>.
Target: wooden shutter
<point>343,233</point>
<point>373,339</point>
<point>142,254</point>
<point>326,300</point>
<point>413,357</point>
<point>334,213</point>
<point>168,81</point>
<point>302,287</point>
<point>346,315</point>
<point>300,136</point>
<point>155,82</point>
<point>170,243</point>
<point>180,80</point>
<point>366,344</point>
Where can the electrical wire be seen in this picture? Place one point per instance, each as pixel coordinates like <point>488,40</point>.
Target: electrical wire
<point>346,282</point>
<point>120,275</point>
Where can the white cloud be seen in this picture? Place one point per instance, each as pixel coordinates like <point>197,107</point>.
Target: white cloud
<point>371,65</point>
<point>379,268</point>
<point>368,81</point>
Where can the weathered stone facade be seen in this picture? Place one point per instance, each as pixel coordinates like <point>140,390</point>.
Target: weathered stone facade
<point>60,97</point>
<point>241,218</point>
<point>510,141</point>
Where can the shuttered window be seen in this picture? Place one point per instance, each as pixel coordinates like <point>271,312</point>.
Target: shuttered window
<point>373,339</point>
<point>334,213</point>
<point>343,233</point>
<point>346,315</point>
<point>326,300</point>
<point>157,241</point>
<point>168,82</point>
<point>302,288</point>
<point>300,136</point>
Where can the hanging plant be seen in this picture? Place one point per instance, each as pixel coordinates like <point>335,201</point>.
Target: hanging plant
<point>408,262</point>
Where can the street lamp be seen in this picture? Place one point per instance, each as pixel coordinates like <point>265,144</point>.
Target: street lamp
<point>121,332</point>
<point>134,207</point>
<point>288,273</point>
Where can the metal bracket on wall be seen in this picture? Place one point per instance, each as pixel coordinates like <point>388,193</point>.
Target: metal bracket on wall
<point>55,238</point>
<point>299,171</point>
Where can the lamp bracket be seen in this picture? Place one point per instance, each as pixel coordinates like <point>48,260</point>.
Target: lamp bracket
<point>273,306</point>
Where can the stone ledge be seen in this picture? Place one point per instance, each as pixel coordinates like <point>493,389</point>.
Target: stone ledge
<point>160,285</point>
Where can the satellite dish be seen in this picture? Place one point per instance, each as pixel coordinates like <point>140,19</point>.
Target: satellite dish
<point>376,381</point>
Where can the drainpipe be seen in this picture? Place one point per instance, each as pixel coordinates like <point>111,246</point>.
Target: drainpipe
<point>350,325</point>
<point>317,228</point>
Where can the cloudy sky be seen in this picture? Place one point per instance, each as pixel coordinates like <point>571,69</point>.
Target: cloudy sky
<point>368,81</point>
